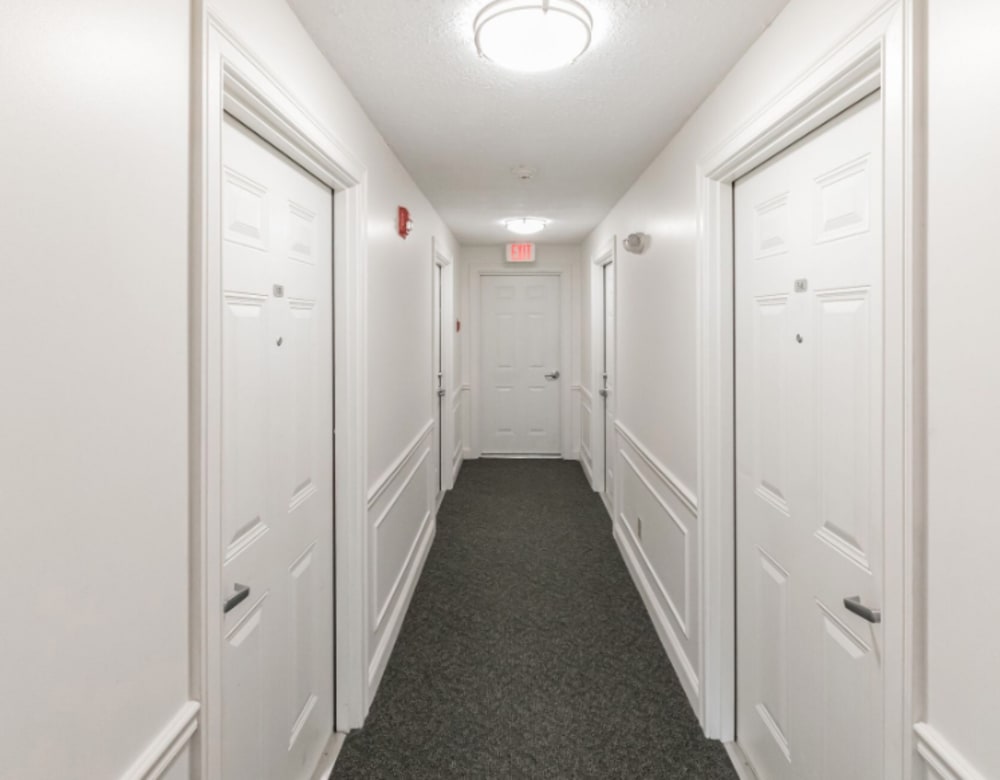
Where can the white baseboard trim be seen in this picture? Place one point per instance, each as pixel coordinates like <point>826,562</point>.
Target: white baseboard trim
<point>324,770</point>
<point>743,769</point>
<point>413,567</point>
<point>166,746</point>
<point>941,757</point>
<point>668,637</point>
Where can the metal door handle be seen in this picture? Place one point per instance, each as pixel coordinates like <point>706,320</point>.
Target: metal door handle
<point>441,393</point>
<point>241,595</point>
<point>603,393</point>
<point>853,604</point>
<point>553,375</point>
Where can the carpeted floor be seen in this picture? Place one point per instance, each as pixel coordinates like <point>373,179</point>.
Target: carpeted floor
<point>527,651</point>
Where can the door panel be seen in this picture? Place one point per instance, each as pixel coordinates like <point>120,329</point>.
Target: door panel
<point>277,462</point>
<point>519,347</point>
<point>608,381</point>
<point>808,253</point>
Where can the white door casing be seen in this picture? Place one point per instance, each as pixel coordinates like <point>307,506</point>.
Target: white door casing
<point>277,462</point>
<point>236,82</point>
<point>442,369</point>
<point>808,251</point>
<point>520,373</point>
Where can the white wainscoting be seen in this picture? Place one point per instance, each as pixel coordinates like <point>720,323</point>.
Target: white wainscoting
<point>168,756</point>
<point>400,531</point>
<point>656,527</point>
<point>585,406</point>
<point>941,760</point>
<point>458,405</point>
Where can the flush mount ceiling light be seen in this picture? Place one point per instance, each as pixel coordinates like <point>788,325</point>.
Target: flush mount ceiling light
<point>525,226</point>
<point>533,35</point>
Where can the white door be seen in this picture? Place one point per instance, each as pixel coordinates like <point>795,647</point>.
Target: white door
<point>520,365</point>
<point>809,340</point>
<point>607,384</point>
<point>437,341</point>
<point>277,461</point>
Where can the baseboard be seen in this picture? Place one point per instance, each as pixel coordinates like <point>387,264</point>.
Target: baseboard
<point>324,769</point>
<point>743,769</point>
<point>156,759</point>
<point>668,637</point>
<point>943,760</point>
<point>414,566</point>
<point>587,471</point>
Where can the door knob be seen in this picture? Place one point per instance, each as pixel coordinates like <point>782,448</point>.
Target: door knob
<point>853,604</point>
<point>603,392</point>
<point>553,375</point>
<point>441,393</point>
<point>241,594</point>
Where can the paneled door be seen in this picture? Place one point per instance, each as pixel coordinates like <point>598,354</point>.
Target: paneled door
<point>809,343</point>
<point>520,365</point>
<point>607,389</point>
<point>277,461</point>
<point>437,344</point>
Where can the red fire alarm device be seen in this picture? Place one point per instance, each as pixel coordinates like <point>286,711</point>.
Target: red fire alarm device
<point>520,253</point>
<point>405,222</point>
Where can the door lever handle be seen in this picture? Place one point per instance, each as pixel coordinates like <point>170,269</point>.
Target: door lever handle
<point>603,392</point>
<point>441,392</point>
<point>553,375</point>
<point>853,604</point>
<point>241,595</point>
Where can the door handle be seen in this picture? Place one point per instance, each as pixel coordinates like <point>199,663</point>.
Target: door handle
<point>603,392</point>
<point>241,595</point>
<point>441,392</point>
<point>553,375</point>
<point>853,604</point>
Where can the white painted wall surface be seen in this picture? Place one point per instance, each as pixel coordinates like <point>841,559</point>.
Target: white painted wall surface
<point>549,257</point>
<point>657,294</point>
<point>94,106</point>
<point>964,379</point>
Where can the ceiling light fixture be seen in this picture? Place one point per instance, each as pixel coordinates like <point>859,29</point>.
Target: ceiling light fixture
<point>533,35</point>
<point>525,226</point>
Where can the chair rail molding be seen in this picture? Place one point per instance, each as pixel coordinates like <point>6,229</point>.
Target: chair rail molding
<point>941,757</point>
<point>175,736</point>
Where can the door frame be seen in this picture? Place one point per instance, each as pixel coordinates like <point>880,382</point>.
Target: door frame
<point>440,260</point>
<point>607,256</point>
<point>234,81</point>
<point>565,355</point>
<point>879,54</point>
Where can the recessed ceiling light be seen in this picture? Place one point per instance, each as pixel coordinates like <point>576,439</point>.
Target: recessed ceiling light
<point>525,226</point>
<point>533,35</point>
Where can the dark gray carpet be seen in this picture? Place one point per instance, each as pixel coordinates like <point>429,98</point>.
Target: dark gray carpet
<point>527,651</point>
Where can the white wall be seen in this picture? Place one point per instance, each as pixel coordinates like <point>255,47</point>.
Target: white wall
<point>549,257</point>
<point>964,380</point>
<point>94,107</point>
<point>657,300</point>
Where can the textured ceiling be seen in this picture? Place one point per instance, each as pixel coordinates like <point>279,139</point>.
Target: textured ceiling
<point>460,123</point>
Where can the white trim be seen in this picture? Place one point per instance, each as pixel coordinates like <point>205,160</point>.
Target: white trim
<point>156,759</point>
<point>233,80</point>
<point>941,756</point>
<point>413,567</point>
<point>606,255</point>
<point>877,54</point>
<point>565,277</point>
<point>739,761</point>
<point>668,637</point>
<point>330,755</point>
<point>679,489</point>
<point>397,466</point>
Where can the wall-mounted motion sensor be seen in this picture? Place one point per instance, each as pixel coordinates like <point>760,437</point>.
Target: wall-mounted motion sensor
<point>635,243</point>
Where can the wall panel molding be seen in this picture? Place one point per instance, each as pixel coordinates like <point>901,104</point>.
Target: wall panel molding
<point>679,489</point>
<point>398,465</point>
<point>943,760</point>
<point>156,759</point>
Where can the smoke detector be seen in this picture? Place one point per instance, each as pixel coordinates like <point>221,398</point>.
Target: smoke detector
<point>524,172</point>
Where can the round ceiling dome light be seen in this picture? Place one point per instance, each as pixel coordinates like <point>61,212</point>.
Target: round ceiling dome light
<point>533,35</point>
<point>525,226</point>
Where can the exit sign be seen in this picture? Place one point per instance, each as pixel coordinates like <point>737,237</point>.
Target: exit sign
<point>520,253</point>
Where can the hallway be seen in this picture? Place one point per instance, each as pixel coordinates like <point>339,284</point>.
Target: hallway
<point>527,651</point>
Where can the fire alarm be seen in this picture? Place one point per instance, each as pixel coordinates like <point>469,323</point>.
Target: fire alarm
<point>405,222</point>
